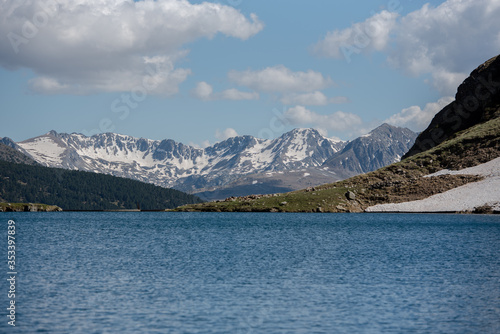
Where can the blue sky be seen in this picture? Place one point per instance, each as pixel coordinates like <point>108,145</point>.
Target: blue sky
<point>200,72</point>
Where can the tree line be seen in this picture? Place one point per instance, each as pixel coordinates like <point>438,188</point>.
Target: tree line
<point>77,190</point>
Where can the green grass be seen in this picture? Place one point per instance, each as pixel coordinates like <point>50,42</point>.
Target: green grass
<point>399,182</point>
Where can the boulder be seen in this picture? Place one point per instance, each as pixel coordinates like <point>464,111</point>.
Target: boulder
<point>350,195</point>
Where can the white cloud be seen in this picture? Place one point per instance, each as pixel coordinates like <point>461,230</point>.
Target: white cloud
<point>316,98</point>
<point>226,134</point>
<point>280,79</point>
<point>89,46</point>
<point>416,118</point>
<point>338,121</point>
<point>234,94</point>
<point>446,42</point>
<point>446,82</point>
<point>204,91</point>
<point>371,35</point>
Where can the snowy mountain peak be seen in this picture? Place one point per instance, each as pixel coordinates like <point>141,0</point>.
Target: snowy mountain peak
<point>380,147</point>
<point>172,164</point>
<point>303,133</point>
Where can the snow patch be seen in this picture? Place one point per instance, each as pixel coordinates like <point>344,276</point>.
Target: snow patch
<point>465,198</point>
<point>44,150</point>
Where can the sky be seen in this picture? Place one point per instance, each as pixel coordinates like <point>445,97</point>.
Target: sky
<point>199,72</point>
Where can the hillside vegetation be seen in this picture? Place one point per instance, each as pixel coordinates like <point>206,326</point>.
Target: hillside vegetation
<point>399,182</point>
<point>475,141</point>
<point>74,190</point>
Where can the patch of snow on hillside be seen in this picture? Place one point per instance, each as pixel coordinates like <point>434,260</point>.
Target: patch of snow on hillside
<point>465,198</point>
<point>298,147</point>
<point>489,169</point>
<point>258,156</point>
<point>114,153</point>
<point>44,150</point>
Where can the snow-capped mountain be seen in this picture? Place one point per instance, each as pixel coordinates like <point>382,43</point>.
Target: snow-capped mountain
<point>381,147</point>
<point>171,164</point>
<point>239,161</point>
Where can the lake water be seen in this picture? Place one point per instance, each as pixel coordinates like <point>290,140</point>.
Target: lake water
<point>253,273</point>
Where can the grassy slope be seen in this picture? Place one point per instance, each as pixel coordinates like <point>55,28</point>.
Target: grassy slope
<point>399,182</point>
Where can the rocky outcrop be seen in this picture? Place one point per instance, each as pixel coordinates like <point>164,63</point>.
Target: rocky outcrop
<point>477,101</point>
<point>28,207</point>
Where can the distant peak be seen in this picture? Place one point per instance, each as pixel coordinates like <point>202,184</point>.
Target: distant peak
<point>302,131</point>
<point>385,127</point>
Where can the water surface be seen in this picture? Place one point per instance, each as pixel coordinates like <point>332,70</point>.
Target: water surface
<point>254,273</point>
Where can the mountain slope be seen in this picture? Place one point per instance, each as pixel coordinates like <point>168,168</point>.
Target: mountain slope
<point>405,181</point>
<point>481,197</point>
<point>9,154</point>
<point>477,100</point>
<point>400,182</point>
<point>239,165</point>
<point>74,190</point>
<point>381,147</point>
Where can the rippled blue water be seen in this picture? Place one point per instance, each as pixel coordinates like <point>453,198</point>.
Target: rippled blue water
<point>254,273</point>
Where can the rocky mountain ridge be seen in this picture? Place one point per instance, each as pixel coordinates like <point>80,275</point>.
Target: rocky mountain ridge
<point>458,172</point>
<point>243,160</point>
<point>377,149</point>
<point>477,100</point>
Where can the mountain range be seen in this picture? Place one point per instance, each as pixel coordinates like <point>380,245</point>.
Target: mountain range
<point>454,165</point>
<point>237,166</point>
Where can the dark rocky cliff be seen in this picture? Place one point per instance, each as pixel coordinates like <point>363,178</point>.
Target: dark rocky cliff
<point>477,101</point>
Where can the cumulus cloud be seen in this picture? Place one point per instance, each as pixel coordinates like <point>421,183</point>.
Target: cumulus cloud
<point>416,118</point>
<point>279,79</point>
<point>338,121</point>
<point>89,46</point>
<point>316,98</point>
<point>446,42</point>
<point>371,35</point>
<point>204,91</point>
<point>225,134</point>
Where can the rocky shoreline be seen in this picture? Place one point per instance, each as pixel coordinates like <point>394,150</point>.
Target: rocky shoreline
<point>28,207</point>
